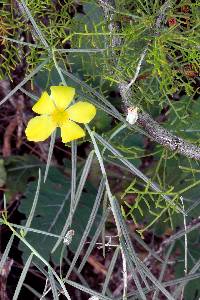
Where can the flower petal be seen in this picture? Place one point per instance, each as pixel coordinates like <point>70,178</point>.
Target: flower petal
<point>40,128</point>
<point>81,112</point>
<point>62,96</point>
<point>44,105</point>
<point>71,131</point>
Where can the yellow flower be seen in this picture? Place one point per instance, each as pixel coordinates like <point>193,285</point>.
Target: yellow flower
<point>54,112</point>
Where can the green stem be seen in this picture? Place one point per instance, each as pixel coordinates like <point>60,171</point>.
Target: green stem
<point>58,68</point>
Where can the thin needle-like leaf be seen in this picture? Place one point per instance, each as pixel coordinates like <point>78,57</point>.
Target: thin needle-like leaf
<point>73,178</point>
<point>6,252</point>
<point>94,239</point>
<point>35,200</point>
<point>110,270</point>
<point>22,277</point>
<point>33,291</point>
<point>113,202</point>
<point>132,168</point>
<point>24,81</point>
<point>87,290</point>
<point>20,42</point>
<point>37,254</point>
<point>53,286</point>
<point>77,198</point>
<point>91,90</point>
<point>35,26</point>
<point>183,280</point>
<point>89,225</point>
<point>156,293</point>
<point>50,153</point>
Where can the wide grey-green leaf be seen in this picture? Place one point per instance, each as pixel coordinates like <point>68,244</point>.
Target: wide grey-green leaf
<point>52,211</point>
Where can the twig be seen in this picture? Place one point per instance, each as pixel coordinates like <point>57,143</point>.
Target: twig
<point>97,265</point>
<point>165,138</point>
<point>138,68</point>
<point>7,137</point>
<point>157,133</point>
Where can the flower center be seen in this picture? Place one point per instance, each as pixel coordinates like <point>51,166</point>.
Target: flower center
<point>59,117</point>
